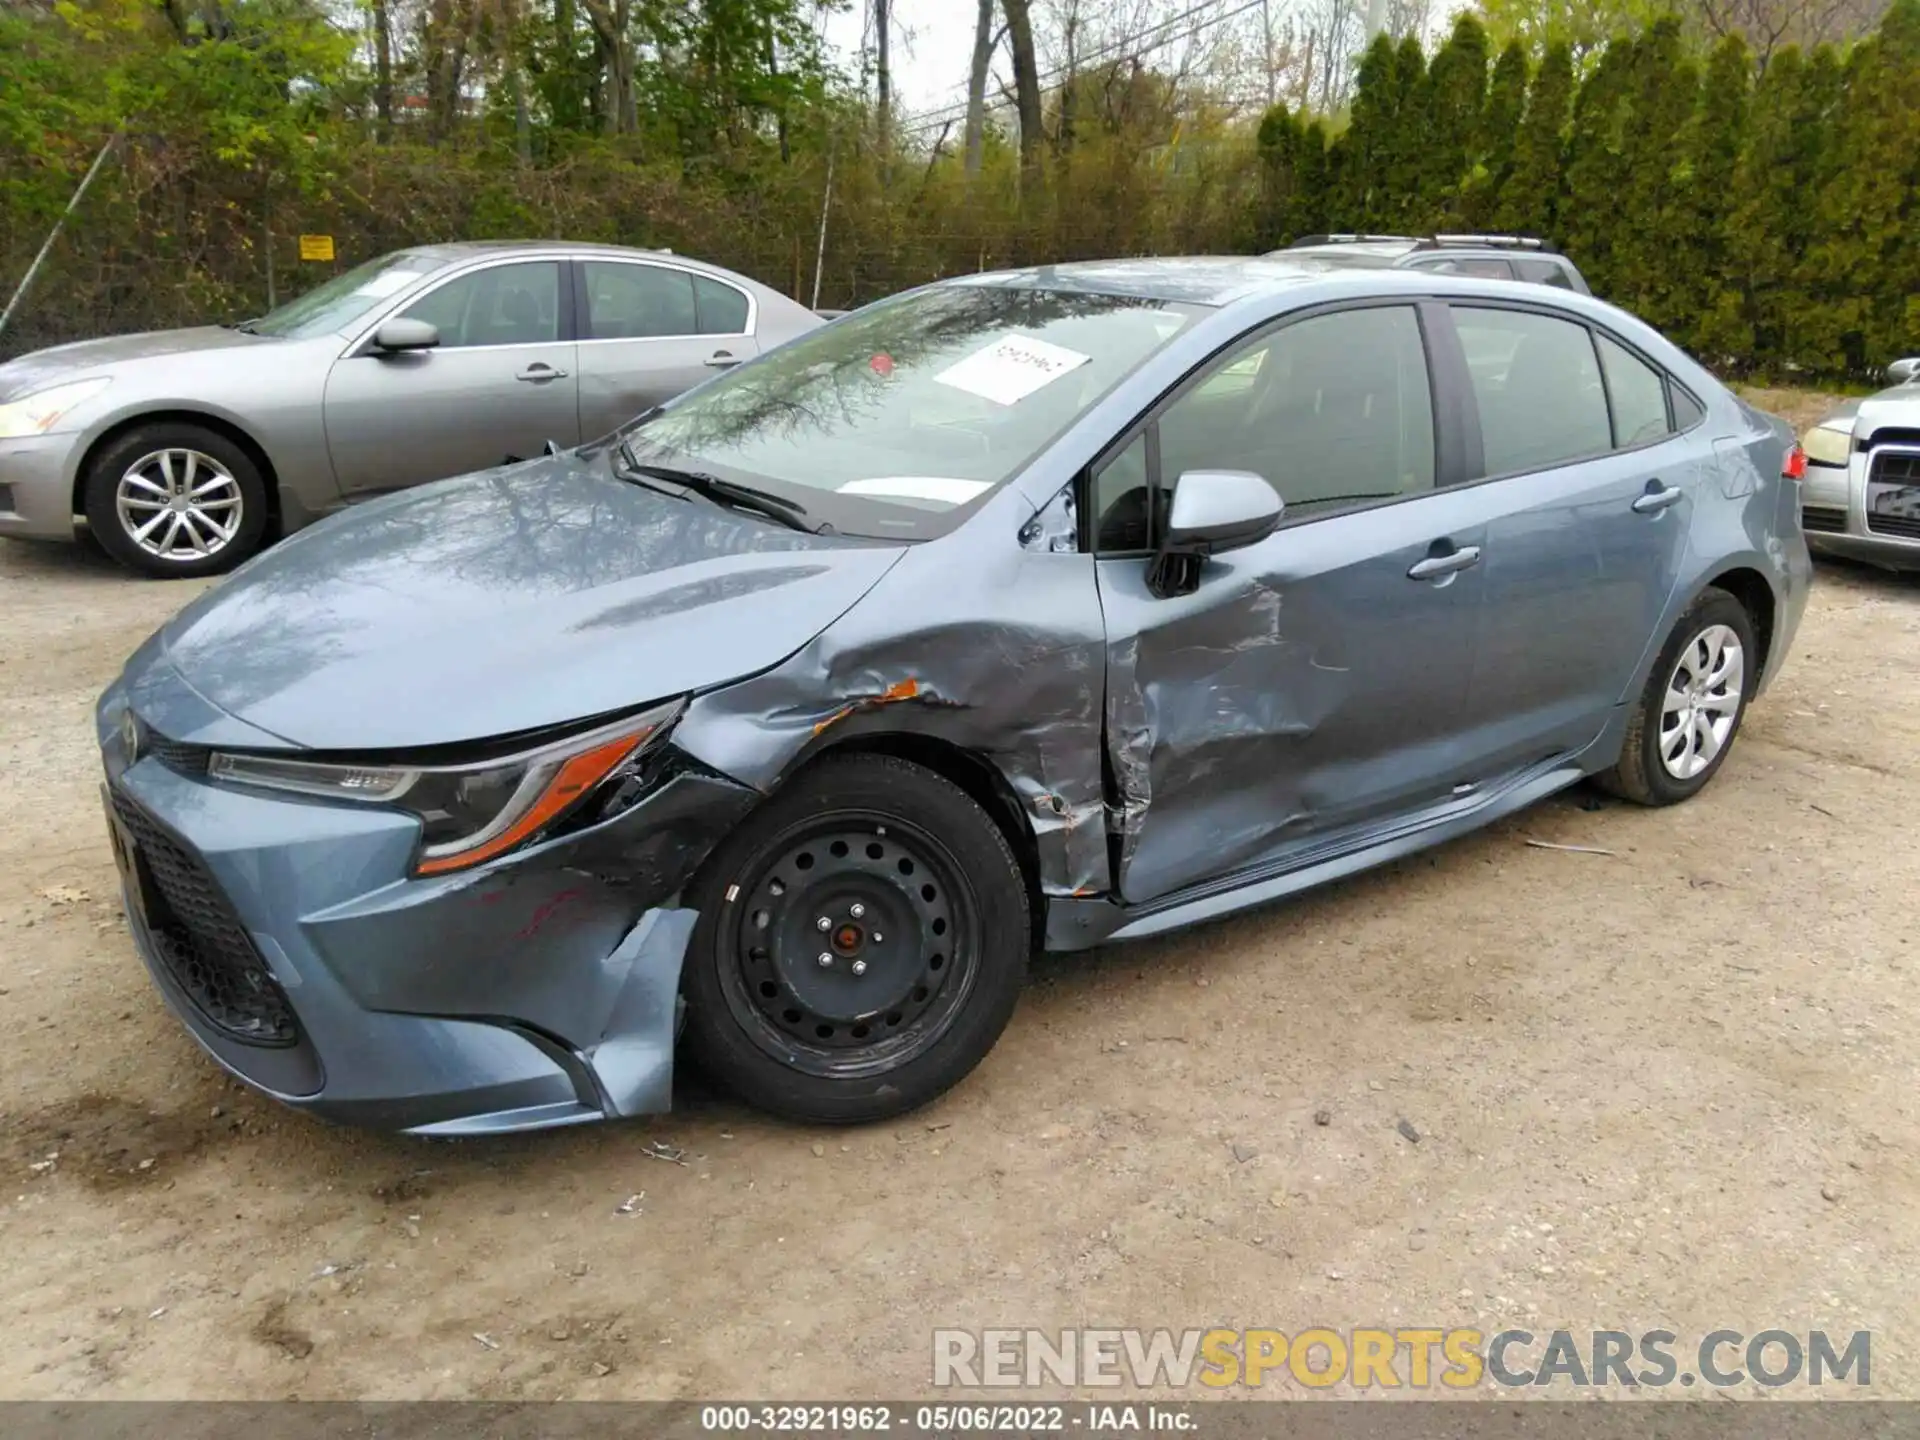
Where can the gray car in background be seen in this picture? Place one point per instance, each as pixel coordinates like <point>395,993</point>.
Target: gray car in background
<point>186,450</point>
<point>1035,609</point>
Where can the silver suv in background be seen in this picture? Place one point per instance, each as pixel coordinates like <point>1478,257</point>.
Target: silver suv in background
<point>1484,257</point>
<point>1861,495</point>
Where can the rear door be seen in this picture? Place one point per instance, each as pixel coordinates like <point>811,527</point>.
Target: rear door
<point>648,331</point>
<point>499,384</point>
<point>1591,497</point>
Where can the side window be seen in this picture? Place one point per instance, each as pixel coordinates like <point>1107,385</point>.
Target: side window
<point>1687,411</point>
<point>1544,272</point>
<point>1122,499</point>
<point>1538,387</point>
<point>722,309</point>
<point>633,302</point>
<point>1480,267</point>
<point>1333,410</point>
<point>1638,392</point>
<point>504,305</point>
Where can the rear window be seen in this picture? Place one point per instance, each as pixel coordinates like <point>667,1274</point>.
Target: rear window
<point>1545,272</point>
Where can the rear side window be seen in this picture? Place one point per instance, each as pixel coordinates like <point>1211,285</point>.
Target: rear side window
<point>1544,272</point>
<point>1687,411</point>
<point>630,302</point>
<point>722,309</point>
<point>1537,383</point>
<point>1480,267</point>
<point>1638,393</point>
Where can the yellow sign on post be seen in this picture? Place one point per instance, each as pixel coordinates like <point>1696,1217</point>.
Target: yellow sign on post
<point>316,247</point>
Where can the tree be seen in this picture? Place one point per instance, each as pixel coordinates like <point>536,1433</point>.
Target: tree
<point>1530,198</point>
<point>1456,99</point>
<point>1026,84</point>
<point>1865,285</point>
<point>1589,217</point>
<point>1498,143</point>
<point>983,41</point>
<point>1583,26</point>
<point>1711,302</point>
<point>1651,230</point>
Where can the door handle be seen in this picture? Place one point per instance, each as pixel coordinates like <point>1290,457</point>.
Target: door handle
<point>721,360</point>
<point>539,372</point>
<point>1454,561</point>
<point>1654,501</point>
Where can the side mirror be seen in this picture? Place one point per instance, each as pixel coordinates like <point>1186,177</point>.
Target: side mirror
<point>1901,372</point>
<point>1219,510</point>
<point>1213,511</point>
<point>401,334</point>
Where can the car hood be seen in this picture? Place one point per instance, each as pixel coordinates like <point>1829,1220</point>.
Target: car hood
<point>41,368</point>
<point>509,601</point>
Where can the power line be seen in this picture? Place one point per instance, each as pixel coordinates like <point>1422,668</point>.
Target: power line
<point>1141,44</point>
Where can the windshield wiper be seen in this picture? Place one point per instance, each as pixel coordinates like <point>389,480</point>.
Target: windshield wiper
<point>726,492</point>
<point>245,327</point>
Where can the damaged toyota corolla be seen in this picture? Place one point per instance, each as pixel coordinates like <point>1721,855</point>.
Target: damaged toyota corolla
<point>1021,611</point>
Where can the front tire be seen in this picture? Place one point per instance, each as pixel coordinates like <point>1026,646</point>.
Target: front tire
<point>1687,718</point>
<point>176,500</point>
<point>862,942</point>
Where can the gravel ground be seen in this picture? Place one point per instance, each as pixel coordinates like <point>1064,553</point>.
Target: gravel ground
<point>1673,1085</point>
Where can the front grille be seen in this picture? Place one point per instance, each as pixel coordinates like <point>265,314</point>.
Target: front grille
<point>1823,519</point>
<point>1904,527</point>
<point>1895,467</point>
<point>201,942</point>
<point>187,759</point>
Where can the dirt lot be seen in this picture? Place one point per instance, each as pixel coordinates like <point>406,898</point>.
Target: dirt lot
<point>1676,1085</point>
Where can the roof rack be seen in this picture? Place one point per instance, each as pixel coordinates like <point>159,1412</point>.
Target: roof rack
<point>1345,240</point>
<point>1495,242</point>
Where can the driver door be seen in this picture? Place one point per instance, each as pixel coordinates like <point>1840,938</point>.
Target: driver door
<point>500,383</point>
<point>1307,688</point>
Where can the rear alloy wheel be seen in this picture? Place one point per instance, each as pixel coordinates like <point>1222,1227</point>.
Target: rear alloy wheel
<point>176,500</point>
<point>862,943</point>
<point>1690,712</point>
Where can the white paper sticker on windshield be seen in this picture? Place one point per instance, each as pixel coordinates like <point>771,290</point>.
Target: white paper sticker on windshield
<point>1010,369</point>
<point>943,488</point>
<point>387,282</point>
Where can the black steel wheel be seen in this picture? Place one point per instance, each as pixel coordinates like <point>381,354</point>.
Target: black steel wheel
<point>862,943</point>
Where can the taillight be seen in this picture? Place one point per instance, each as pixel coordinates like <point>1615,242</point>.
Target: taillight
<point>1794,467</point>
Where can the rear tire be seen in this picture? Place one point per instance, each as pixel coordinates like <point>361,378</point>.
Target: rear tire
<point>1687,718</point>
<point>175,500</point>
<point>906,985</point>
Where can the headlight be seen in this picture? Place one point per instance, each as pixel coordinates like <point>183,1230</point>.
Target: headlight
<point>38,413</point>
<point>1829,442</point>
<point>470,814</point>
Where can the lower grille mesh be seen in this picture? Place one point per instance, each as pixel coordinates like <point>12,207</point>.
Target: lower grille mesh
<point>201,942</point>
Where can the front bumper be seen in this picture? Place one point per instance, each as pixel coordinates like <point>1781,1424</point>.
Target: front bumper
<point>538,991</point>
<point>36,487</point>
<point>1838,512</point>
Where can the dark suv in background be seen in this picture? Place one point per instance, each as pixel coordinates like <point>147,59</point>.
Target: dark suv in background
<point>1485,257</point>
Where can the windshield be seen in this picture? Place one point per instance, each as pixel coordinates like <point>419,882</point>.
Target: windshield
<point>332,306</point>
<point>889,422</point>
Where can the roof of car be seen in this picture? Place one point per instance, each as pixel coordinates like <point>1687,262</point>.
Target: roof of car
<point>453,250</point>
<point>1384,249</point>
<point>1194,279</point>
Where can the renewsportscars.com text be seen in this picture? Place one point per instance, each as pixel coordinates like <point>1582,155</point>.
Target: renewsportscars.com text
<point>1399,1357</point>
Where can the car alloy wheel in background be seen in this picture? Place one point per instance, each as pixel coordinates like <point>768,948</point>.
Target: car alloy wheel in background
<point>175,499</point>
<point>179,505</point>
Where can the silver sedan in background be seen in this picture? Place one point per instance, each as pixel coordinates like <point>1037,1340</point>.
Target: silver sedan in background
<point>1861,496</point>
<point>184,451</point>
